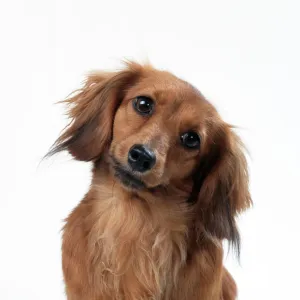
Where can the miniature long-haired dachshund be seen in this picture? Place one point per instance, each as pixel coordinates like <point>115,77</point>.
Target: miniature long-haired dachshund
<point>169,179</point>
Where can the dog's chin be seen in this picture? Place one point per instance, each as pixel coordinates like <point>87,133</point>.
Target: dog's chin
<point>128,179</point>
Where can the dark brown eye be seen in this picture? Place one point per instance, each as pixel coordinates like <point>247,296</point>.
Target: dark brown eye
<point>143,105</point>
<point>190,140</point>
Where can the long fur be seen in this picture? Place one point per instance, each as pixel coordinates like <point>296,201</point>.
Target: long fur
<point>163,242</point>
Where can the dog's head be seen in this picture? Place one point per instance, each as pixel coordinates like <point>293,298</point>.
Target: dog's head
<point>157,130</point>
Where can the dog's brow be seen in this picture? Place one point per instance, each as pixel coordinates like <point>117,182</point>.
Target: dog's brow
<point>175,105</point>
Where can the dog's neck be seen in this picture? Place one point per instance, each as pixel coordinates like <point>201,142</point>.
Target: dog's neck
<point>165,201</point>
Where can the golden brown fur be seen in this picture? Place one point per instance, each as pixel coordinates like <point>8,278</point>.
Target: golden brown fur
<point>163,241</point>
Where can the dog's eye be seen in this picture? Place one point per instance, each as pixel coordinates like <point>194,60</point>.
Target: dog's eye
<point>190,140</point>
<point>143,105</point>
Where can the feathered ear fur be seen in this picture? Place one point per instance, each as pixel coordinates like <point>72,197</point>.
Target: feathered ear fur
<point>224,191</point>
<point>92,111</point>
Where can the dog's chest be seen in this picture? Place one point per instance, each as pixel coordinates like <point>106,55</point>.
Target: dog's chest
<point>134,254</point>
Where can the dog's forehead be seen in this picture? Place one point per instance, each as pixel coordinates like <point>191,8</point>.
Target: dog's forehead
<point>168,89</point>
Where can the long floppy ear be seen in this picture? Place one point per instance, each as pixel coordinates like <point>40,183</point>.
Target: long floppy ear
<point>223,183</point>
<point>92,111</point>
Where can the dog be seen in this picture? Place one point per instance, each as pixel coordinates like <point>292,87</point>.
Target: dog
<point>169,178</point>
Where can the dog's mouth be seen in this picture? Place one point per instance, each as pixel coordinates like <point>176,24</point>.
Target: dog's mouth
<point>127,178</point>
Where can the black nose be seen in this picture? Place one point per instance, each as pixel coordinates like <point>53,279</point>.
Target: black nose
<point>141,158</point>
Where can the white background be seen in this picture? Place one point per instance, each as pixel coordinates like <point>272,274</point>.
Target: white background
<point>244,57</point>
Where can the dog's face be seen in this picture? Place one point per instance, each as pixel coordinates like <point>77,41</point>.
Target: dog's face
<point>154,130</point>
<point>159,131</point>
